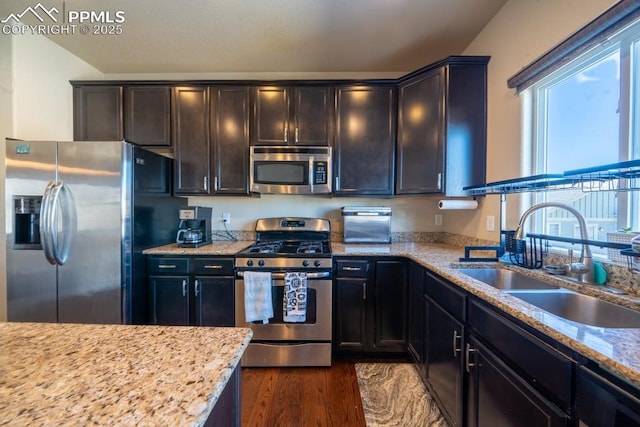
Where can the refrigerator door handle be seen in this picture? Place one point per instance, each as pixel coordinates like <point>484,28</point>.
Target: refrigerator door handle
<point>45,224</point>
<point>64,204</point>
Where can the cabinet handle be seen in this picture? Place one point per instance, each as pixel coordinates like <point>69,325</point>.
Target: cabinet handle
<point>440,181</point>
<point>213,267</point>
<point>364,290</point>
<point>456,349</point>
<point>337,182</point>
<point>286,134</point>
<point>205,182</point>
<point>297,135</point>
<point>197,290</point>
<point>468,354</point>
<point>166,266</point>
<point>347,268</point>
<point>184,288</point>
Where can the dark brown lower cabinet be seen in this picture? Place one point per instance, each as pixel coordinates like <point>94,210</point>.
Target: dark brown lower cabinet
<point>197,291</point>
<point>226,412</point>
<point>498,397</point>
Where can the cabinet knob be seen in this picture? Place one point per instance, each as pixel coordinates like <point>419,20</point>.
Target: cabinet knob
<point>468,353</point>
<point>456,349</point>
<point>185,288</point>
<point>197,288</point>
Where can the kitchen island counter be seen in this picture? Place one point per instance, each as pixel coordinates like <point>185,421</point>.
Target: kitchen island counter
<point>77,374</point>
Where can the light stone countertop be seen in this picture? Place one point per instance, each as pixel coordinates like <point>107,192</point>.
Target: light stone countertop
<point>115,375</point>
<point>617,350</point>
<point>217,247</point>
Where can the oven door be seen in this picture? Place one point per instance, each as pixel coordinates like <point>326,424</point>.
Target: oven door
<point>317,326</point>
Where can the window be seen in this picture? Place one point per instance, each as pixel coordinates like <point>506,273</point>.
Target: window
<point>587,113</point>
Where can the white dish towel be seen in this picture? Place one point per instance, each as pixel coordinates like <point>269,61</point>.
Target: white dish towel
<point>257,296</point>
<point>295,297</point>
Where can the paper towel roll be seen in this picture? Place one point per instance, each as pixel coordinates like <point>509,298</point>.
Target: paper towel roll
<point>457,204</point>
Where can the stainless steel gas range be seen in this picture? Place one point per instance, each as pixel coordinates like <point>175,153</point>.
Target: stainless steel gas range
<point>296,253</point>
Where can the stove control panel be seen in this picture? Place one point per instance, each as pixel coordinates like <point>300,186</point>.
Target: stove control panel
<point>309,263</point>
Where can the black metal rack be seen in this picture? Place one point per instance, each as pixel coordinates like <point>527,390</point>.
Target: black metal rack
<point>621,176</point>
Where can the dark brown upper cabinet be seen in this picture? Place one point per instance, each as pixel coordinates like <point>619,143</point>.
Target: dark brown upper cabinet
<point>284,115</point>
<point>147,115</point>
<point>97,113</point>
<point>442,128</point>
<point>190,133</point>
<point>365,140</point>
<point>230,140</point>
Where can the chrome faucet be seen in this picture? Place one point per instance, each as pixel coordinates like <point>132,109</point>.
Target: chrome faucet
<point>584,267</point>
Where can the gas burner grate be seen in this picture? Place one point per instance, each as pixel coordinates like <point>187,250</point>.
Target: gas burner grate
<point>270,247</point>
<point>310,248</point>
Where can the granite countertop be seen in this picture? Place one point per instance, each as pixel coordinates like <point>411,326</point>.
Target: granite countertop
<point>217,247</point>
<point>76,374</point>
<point>617,350</point>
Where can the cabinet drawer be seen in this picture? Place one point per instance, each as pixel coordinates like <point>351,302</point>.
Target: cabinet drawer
<point>352,268</point>
<point>164,265</point>
<point>535,360</point>
<point>447,296</point>
<point>212,266</point>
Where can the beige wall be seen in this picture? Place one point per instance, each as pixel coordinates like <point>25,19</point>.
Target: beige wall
<point>35,103</point>
<point>519,33</point>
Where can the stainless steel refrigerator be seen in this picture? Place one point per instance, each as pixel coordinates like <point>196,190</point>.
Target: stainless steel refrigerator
<point>78,215</point>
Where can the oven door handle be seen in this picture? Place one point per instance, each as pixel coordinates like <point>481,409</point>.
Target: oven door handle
<point>280,276</point>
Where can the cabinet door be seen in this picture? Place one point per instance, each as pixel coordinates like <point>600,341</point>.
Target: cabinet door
<point>270,116</point>
<point>214,301</point>
<point>351,314</point>
<point>498,397</point>
<point>230,134</point>
<point>420,157</point>
<point>416,321</point>
<point>97,113</point>
<point>391,305</point>
<point>365,140</point>
<point>313,116</point>
<point>169,300</point>
<point>190,129</point>
<point>443,360</point>
<point>147,115</point>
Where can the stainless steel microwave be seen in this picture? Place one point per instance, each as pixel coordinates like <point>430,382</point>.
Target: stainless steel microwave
<point>290,170</point>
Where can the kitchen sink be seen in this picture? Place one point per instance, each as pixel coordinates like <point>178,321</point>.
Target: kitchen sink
<point>506,279</point>
<point>582,308</point>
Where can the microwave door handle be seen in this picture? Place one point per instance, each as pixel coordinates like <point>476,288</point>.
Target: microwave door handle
<point>311,173</point>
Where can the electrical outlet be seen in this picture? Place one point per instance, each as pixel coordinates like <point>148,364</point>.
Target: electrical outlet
<point>226,218</point>
<point>491,223</point>
<point>438,219</point>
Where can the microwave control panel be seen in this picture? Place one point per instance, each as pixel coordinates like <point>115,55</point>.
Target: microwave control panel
<point>319,173</point>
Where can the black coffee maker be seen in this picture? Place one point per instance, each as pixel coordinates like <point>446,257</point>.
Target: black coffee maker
<point>194,229</point>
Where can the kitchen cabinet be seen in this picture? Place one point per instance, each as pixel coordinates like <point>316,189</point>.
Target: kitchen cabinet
<point>371,299</point>
<point>442,115</point>
<point>97,113</point>
<point>416,314</point>
<point>285,115</point>
<point>444,307</point>
<point>498,396</point>
<point>365,140</point>
<point>191,137</point>
<point>230,140</point>
<point>605,400</point>
<point>195,291</point>
<point>147,115</point>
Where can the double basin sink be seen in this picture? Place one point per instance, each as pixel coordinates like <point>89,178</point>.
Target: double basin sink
<point>559,301</point>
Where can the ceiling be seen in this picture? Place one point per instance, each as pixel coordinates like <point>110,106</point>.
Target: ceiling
<point>257,36</point>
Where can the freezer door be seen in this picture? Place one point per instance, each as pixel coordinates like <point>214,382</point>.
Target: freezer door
<point>89,282</point>
<point>31,280</point>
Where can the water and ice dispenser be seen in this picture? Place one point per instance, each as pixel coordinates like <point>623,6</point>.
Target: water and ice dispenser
<point>26,224</point>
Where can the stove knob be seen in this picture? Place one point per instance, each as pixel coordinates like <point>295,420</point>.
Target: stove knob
<point>317,263</point>
<point>261,263</point>
<point>249,263</point>
<point>305,263</point>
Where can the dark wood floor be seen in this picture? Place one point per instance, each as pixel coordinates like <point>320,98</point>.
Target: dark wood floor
<point>301,396</point>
